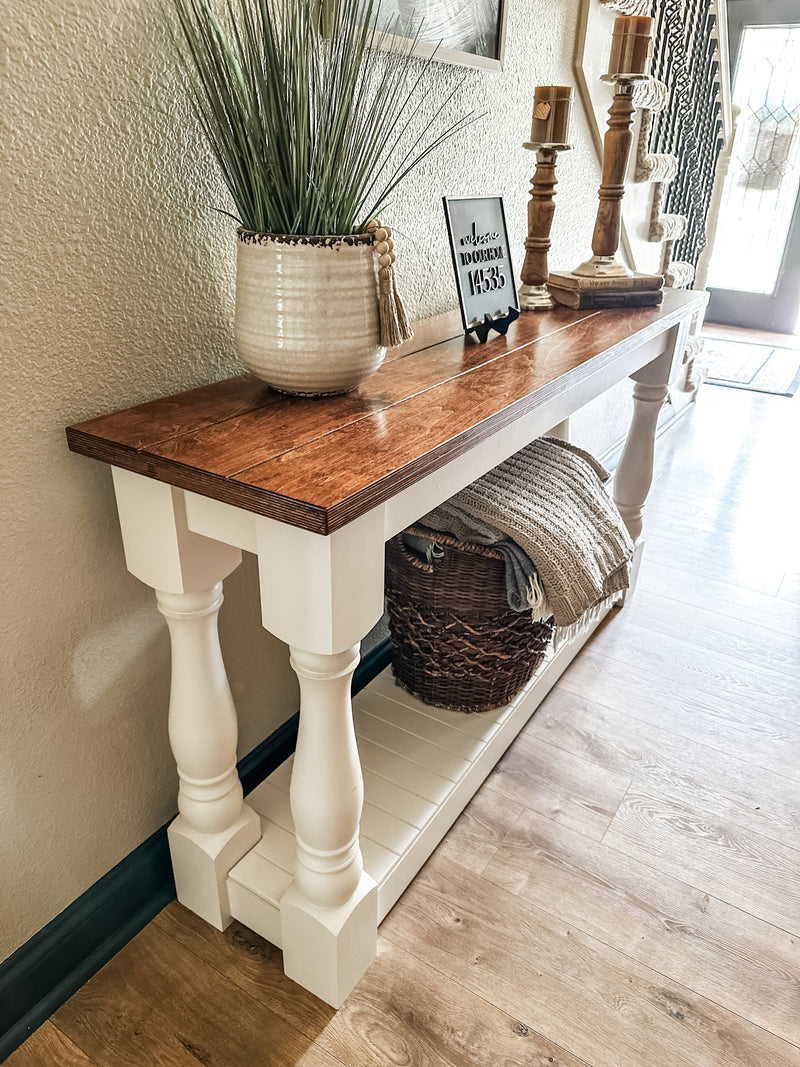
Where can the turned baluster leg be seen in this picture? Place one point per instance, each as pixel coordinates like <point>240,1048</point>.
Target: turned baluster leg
<point>329,915</point>
<point>634,473</point>
<point>321,594</point>
<point>635,468</point>
<point>202,719</point>
<point>214,828</point>
<point>327,789</point>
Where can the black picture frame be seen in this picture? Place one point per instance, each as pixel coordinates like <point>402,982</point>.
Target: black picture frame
<point>487,293</point>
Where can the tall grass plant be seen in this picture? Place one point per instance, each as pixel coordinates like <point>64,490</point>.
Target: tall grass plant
<point>312,117</point>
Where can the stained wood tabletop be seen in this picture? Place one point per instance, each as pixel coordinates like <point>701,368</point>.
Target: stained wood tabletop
<point>319,463</point>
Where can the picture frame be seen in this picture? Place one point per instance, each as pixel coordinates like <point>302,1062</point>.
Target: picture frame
<point>467,33</point>
<point>487,292</point>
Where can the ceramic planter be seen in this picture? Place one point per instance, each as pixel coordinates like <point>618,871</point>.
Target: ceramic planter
<point>307,311</point>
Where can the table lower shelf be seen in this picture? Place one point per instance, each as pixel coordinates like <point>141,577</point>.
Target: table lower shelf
<point>421,767</point>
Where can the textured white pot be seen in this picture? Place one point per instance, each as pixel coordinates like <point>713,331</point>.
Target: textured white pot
<point>307,311</point>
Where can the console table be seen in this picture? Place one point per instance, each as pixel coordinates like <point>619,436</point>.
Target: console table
<point>314,487</point>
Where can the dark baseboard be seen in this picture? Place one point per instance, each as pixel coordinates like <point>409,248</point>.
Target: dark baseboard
<point>44,972</point>
<point>48,969</point>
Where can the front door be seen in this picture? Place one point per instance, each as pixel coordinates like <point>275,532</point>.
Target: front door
<point>754,275</point>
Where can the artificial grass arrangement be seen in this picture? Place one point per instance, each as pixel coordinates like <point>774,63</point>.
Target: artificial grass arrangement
<point>311,116</point>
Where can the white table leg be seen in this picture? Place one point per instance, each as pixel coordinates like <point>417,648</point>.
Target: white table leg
<point>321,595</point>
<point>214,828</point>
<point>635,468</point>
<point>202,719</point>
<point>329,915</point>
<point>634,473</point>
<point>327,789</point>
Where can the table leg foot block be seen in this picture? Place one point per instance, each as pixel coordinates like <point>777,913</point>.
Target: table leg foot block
<point>201,863</point>
<point>326,950</point>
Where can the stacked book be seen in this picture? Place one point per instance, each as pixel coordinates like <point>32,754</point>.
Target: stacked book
<point>578,291</point>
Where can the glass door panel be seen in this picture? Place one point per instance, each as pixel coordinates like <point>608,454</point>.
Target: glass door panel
<point>761,186</point>
<point>754,274</point>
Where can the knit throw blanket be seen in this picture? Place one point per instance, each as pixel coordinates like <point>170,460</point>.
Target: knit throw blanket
<point>550,499</point>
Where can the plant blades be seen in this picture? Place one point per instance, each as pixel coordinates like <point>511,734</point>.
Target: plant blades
<point>303,110</point>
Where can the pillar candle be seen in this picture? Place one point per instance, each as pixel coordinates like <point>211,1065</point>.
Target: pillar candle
<point>551,110</point>
<point>631,45</point>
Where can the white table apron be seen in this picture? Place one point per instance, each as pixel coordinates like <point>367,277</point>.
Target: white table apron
<point>290,863</point>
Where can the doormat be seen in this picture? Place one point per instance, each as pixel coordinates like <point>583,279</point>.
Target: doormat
<point>760,368</point>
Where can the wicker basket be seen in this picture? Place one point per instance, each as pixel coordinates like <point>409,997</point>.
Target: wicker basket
<point>455,641</point>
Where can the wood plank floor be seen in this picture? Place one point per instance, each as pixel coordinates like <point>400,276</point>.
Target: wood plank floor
<point>624,890</point>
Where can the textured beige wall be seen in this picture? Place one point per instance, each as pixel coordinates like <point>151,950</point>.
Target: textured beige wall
<point>118,287</point>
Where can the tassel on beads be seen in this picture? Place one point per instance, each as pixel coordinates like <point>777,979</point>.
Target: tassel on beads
<point>395,327</point>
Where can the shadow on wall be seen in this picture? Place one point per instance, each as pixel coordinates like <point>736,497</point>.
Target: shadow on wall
<point>86,714</point>
<point>264,686</point>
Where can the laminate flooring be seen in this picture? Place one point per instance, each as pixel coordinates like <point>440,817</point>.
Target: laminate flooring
<point>624,889</point>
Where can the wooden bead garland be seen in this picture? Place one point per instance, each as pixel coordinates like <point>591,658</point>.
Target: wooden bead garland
<point>395,327</point>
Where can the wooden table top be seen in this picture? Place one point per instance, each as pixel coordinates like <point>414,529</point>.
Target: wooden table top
<point>320,463</point>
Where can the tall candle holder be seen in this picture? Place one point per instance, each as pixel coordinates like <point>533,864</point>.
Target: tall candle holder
<point>533,294</point>
<point>604,281</point>
<point>549,130</point>
<point>631,49</point>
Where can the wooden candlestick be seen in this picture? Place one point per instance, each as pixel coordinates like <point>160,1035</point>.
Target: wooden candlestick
<point>616,150</point>
<point>631,48</point>
<point>552,105</point>
<point>533,294</point>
